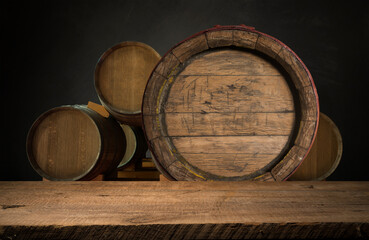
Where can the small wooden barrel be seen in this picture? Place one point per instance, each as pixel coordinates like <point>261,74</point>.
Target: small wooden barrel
<point>230,103</point>
<point>74,143</point>
<point>136,145</point>
<point>121,75</point>
<point>325,154</point>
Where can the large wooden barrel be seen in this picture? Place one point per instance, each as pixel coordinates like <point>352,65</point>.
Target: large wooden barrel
<point>121,75</point>
<point>136,146</point>
<point>325,154</point>
<point>74,143</point>
<point>230,103</point>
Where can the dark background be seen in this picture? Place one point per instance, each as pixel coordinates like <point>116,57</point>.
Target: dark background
<point>49,50</point>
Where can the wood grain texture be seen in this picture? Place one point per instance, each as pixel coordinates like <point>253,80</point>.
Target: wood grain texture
<point>229,164</point>
<point>233,124</point>
<point>230,62</point>
<point>245,39</point>
<point>74,143</point>
<point>166,65</point>
<point>218,92</point>
<point>325,154</point>
<point>229,144</point>
<point>121,76</point>
<point>233,90</point>
<point>190,47</point>
<point>266,177</point>
<point>183,210</point>
<point>219,38</point>
<point>289,163</point>
<point>229,94</point>
<point>294,67</point>
<point>268,45</point>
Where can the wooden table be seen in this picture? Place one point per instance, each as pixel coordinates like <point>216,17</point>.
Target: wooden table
<point>183,210</point>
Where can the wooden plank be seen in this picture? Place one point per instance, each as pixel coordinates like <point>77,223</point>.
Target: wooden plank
<point>153,89</point>
<point>245,39</point>
<point>218,124</point>
<point>309,108</point>
<point>250,94</point>
<point>230,144</point>
<point>183,210</point>
<point>268,46</point>
<point>219,38</point>
<point>230,62</point>
<point>294,67</point>
<point>305,133</point>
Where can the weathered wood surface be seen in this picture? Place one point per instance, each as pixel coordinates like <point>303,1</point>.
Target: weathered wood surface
<point>230,104</point>
<point>74,143</point>
<point>183,210</point>
<point>325,154</point>
<point>120,79</point>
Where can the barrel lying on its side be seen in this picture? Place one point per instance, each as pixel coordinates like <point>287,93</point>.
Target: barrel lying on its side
<point>74,143</point>
<point>136,146</point>
<point>120,78</point>
<point>325,154</point>
<point>230,103</point>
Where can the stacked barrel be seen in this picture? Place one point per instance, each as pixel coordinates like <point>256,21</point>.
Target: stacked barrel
<point>83,142</point>
<point>228,104</point>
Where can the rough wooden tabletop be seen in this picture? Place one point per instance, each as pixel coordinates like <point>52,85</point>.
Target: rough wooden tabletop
<point>183,210</point>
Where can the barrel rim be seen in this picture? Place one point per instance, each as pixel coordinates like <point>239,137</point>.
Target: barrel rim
<point>339,144</point>
<point>109,107</point>
<point>29,150</point>
<point>284,46</point>
<point>121,165</point>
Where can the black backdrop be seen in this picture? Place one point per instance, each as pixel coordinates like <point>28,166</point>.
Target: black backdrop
<point>49,50</point>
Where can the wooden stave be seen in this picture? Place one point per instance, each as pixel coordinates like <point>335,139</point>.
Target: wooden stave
<point>141,148</point>
<point>133,119</point>
<point>111,150</point>
<point>297,175</point>
<point>276,174</point>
